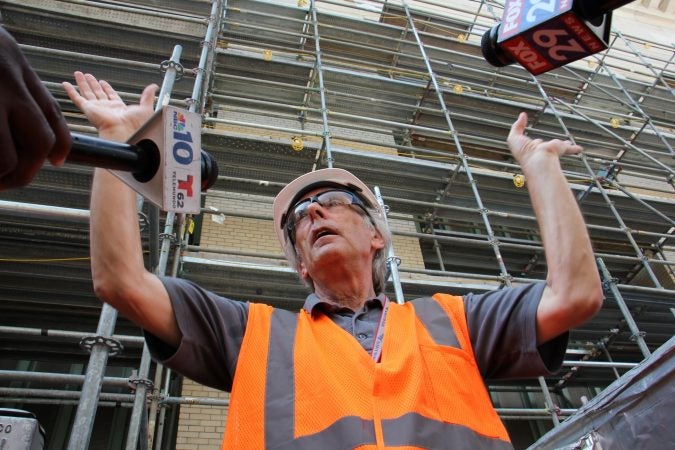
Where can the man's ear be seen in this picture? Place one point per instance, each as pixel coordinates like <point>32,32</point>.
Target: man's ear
<point>300,267</point>
<point>377,241</point>
<point>302,270</point>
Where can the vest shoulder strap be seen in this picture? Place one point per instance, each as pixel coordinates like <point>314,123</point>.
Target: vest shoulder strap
<point>443,317</point>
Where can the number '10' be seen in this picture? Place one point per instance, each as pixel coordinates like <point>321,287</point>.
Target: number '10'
<point>182,151</point>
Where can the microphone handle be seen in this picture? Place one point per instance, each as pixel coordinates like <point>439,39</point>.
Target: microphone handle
<point>97,152</point>
<point>141,160</point>
<point>595,8</point>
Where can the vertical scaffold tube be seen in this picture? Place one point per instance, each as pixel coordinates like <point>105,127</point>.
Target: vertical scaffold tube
<point>636,334</point>
<point>392,260</point>
<point>549,401</point>
<point>93,379</point>
<point>322,89</point>
<point>139,408</point>
<point>218,8</point>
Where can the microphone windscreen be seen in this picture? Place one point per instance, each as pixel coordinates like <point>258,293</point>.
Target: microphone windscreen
<point>492,53</point>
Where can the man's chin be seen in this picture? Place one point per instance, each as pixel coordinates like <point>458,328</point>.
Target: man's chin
<point>327,252</point>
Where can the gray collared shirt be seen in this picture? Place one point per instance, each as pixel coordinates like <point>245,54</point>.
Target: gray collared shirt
<point>361,324</point>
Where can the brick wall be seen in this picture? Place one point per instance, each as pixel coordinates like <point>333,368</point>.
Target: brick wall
<point>406,248</point>
<point>646,186</point>
<point>224,229</point>
<point>200,427</point>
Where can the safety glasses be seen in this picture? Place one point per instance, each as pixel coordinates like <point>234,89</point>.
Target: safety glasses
<point>327,199</point>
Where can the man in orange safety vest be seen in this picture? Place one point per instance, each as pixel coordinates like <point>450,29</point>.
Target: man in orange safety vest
<point>350,369</point>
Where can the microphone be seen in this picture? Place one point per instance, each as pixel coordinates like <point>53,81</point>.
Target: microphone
<point>142,159</point>
<point>542,35</point>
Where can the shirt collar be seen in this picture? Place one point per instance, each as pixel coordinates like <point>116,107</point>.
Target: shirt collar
<point>312,301</point>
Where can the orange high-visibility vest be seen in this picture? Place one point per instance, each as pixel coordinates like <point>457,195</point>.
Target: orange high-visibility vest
<point>303,382</point>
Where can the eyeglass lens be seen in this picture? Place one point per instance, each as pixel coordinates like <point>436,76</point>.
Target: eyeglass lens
<point>326,199</point>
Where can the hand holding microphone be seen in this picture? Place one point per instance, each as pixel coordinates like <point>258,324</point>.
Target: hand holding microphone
<point>32,127</point>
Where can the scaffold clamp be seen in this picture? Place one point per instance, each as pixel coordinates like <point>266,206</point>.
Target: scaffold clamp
<point>161,399</point>
<point>135,381</point>
<point>506,278</point>
<point>143,220</point>
<point>394,259</point>
<point>115,347</point>
<point>164,66</point>
<point>606,284</point>
<point>169,237</point>
<point>637,336</point>
<point>190,101</point>
<point>555,409</point>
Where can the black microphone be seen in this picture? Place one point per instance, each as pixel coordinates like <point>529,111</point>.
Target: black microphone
<point>546,34</point>
<point>142,159</point>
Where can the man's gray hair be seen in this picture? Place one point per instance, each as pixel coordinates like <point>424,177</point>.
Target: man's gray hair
<point>373,219</point>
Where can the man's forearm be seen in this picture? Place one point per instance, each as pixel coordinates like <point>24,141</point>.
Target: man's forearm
<point>116,252</point>
<point>574,287</point>
<point>569,254</point>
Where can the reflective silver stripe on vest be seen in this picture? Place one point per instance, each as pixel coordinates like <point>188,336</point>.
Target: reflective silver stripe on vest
<point>347,432</point>
<point>436,321</point>
<point>280,384</point>
<point>418,431</point>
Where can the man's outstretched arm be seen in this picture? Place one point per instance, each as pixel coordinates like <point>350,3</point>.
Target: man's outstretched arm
<point>118,271</point>
<point>573,292</point>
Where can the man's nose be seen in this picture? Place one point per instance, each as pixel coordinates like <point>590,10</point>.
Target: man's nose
<point>315,210</point>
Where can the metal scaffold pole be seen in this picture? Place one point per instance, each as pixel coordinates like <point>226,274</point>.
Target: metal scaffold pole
<point>140,381</point>
<point>640,255</point>
<point>100,346</point>
<point>392,260</point>
<point>326,144</point>
<point>197,102</point>
<point>644,61</point>
<point>549,104</point>
<point>577,111</point>
<point>636,334</point>
<point>172,68</point>
<point>552,408</point>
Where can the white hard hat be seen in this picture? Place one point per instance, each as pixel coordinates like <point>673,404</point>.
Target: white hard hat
<point>289,195</point>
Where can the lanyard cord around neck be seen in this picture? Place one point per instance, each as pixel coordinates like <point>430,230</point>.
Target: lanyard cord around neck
<point>376,354</point>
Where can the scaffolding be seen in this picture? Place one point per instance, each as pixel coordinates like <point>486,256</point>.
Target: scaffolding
<point>397,93</point>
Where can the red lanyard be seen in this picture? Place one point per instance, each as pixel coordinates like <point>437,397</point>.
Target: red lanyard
<point>379,334</point>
